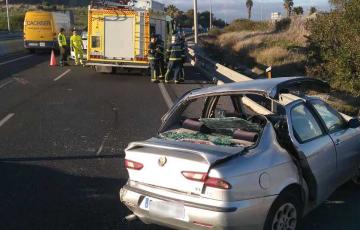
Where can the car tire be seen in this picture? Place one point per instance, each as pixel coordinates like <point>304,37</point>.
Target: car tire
<point>284,213</point>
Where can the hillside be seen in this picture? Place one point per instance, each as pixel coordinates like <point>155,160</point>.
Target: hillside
<point>259,45</point>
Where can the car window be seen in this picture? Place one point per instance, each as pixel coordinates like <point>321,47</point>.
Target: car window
<point>194,109</point>
<point>224,107</point>
<point>332,119</point>
<point>304,124</point>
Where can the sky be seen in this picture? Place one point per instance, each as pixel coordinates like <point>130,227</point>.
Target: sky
<point>233,9</point>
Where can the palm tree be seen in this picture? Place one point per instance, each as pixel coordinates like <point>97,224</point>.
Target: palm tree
<point>288,5</point>
<point>298,10</point>
<point>172,10</point>
<point>249,5</point>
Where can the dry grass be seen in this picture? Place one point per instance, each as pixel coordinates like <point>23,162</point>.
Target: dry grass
<point>269,47</point>
<point>275,56</point>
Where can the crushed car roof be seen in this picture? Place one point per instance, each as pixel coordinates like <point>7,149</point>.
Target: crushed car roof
<point>268,87</point>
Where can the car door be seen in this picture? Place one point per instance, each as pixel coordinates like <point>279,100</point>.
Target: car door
<point>346,139</point>
<point>315,149</point>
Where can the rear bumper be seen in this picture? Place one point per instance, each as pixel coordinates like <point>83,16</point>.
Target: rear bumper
<point>119,64</point>
<point>40,44</point>
<point>246,214</point>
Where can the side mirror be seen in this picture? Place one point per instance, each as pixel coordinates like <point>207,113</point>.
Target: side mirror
<point>354,123</point>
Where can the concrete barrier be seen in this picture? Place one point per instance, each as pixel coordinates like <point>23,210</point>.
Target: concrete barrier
<point>11,46</point>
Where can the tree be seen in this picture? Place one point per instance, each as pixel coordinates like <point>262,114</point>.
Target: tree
<point>288,5</point>
<point>249,5</point>
<point>313,10</point>
<point>338,3</point>
<point>334,51</point>
<point>298,10</point>
<point>172,11</point>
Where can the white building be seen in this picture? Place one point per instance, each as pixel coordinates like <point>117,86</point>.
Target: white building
<point>275,16</point>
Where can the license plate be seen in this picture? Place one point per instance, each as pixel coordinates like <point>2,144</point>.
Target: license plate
<point>33,44</point>
<point>42,44</point>
<point>161,208</point>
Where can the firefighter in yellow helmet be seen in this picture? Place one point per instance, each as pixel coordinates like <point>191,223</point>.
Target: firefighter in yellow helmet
<point>77,45</point>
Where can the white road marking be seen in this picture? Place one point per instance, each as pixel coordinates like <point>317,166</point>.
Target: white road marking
<point>62,75</point>
<point>5,119</point>
<point>100,148</point>
<point>166,95</point>
<point>16,59</point>
<point>6,83</point>
<point>106,137</point>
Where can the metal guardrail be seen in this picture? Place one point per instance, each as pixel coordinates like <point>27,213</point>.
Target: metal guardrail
<point>221,72</point>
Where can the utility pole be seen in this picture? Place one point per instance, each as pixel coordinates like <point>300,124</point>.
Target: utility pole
<point>7,15</point>
<point>195,22</point>
<point>211,15</point>
<point>261,10</point>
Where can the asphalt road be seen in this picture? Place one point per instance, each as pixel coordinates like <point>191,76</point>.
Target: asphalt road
<point>62,136</point>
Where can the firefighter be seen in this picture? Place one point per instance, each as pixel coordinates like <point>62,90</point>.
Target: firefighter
<point>153,57</point>
<point>183,55</point>
<point>63,47</point>
<point>160,54</point>
<point>175,64</point>
<point>77,45</point>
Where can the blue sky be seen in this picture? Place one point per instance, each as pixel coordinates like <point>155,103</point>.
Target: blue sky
<point>232,9</point>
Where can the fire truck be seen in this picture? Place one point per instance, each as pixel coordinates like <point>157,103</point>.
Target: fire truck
<point>119,33</point>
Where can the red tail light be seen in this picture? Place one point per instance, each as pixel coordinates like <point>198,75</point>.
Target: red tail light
<point>133,165</point>
<point>196,176</point>
<point>217,183</point>
<point>208,181</point>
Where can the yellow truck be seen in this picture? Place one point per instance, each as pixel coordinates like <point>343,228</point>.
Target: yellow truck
<point>119,35</point>
<point>41,28</point>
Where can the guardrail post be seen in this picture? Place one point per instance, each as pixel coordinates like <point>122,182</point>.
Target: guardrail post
<point>268,72</point>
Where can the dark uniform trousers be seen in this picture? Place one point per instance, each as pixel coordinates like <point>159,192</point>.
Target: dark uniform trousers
<point>154,68</point>
<point>175,64</point>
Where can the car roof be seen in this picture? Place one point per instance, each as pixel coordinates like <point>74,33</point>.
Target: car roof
<point>267,87</point>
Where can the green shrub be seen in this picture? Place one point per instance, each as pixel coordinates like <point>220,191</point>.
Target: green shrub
<point>283,24</point>
<point>333,49</point>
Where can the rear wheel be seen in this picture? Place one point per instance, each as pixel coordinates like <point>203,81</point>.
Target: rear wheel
<point>284,214</point>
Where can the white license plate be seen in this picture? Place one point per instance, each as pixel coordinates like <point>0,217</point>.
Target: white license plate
<point>33,44</point>
<point>42,44</point>
<point>161,208</point>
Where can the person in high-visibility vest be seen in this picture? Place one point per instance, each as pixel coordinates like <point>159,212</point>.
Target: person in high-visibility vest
<point>63,47</point>
<point>153,57</point>
<point>77,45</point>
<point>175,64</point>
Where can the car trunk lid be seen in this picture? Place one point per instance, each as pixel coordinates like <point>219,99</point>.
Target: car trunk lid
<point>164,162</point>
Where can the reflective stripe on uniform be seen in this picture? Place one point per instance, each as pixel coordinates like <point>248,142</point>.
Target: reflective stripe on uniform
<point>175,59</point>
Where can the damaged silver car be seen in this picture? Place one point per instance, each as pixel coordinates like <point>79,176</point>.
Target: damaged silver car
<point>247,155</point>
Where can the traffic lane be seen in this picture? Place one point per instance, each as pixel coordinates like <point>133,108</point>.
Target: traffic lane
<point>341,211</point>
<point>83,112</point>
<point>55,138</point>
<point>14,64</point>
<point>21,87</point>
